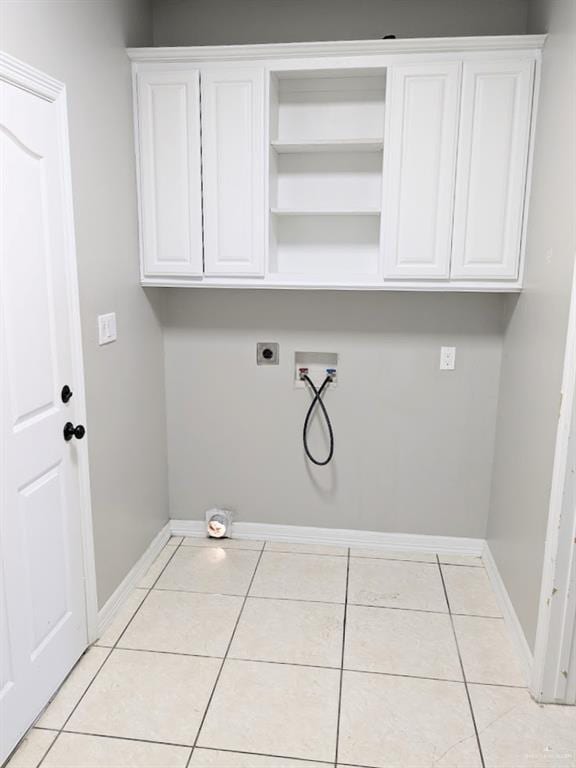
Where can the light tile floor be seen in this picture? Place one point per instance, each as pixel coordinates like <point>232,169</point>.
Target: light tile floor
<point>245,654</point>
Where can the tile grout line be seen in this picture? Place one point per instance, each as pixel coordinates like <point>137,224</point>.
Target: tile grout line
<point>322,602</point>
<point>332,554</point>
<point>110,651</point>
<point>16,749</point>
<point>461,664</point>
<point>209,702</point>
<point>342,660</point>
<point>148,590</point>
<point>305,666</point>
<point>209,749</point>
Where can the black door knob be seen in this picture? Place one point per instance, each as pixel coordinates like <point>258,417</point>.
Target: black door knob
<point>71,431</point>
<point>66,393</point>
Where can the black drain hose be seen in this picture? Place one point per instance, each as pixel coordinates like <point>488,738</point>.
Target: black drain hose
<point>317,400</point>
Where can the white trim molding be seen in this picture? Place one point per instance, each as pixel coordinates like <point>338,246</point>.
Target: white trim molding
<point>296,534</point>
<point>28,78</point>
<point>130,581</point>
<point>338,48</point>
<point>519,642</point>
<point>554,677</point>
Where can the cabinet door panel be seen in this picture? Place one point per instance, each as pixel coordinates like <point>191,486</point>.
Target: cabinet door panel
<point>492,163</point>
<point>170,172</point>
<point>419,169</point>
<point>233,146</point>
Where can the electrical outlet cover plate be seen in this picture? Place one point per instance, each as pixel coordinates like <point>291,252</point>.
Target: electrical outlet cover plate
<point>267,353</point>
<point>447,358</point>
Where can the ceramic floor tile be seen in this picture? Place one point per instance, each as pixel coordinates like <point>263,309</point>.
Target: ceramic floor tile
<point>122,618</point>
<point>184,622</point>
<point>395,584</point>
<point>487,652</point>
<point>32,749</point>
<point>401,642</point>
<point>173,541</point>
<point>301,577</point>
<point>309,549</point>
<point>213,758</point>
<point>290,632</point>
<point>141,695</point>
<point>516,732</point>
<point>394,554</point>
<point>470,560</point>
<point>469,591</point>
<point>274,709</point>
<point>192,541</point>
<point>73,750</point>
<point>157,567</point>
<point>61,706</point>
<point>401,722</point>
<point>209,570</point>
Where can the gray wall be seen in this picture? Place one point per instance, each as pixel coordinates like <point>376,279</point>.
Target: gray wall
<point>82,43</point>
<point>413,444</point>
<point>213,22</point>
<point>536,327</point>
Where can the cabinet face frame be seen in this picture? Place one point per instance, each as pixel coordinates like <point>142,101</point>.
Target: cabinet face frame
<point>473,160</point>
<point>233,146</point>
<point>365,55</point>
<point>168,209</point>
<point>407,135</point>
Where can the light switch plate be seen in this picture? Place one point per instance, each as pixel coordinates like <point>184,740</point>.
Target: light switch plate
<point>107,328</point>
<point>447,358</point>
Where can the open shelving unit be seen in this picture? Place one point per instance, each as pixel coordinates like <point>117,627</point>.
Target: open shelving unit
<point>328,145</point>
<point>326,149</point>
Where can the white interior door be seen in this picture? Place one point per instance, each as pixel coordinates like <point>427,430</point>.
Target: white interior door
<point>42,601</point>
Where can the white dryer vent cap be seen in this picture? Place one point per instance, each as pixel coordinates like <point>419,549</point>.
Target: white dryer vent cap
<point>218,523</point>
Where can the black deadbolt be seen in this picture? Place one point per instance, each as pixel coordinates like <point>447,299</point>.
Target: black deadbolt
<point>267,354</point>
<point>71,431</point>
<point>66,393</point>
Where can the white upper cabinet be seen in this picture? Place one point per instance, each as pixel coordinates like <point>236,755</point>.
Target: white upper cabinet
<point>233,146</point>
<point>492,168</point>
<point>367,165</point>
<point>419,169</point>
<point>168,136</point>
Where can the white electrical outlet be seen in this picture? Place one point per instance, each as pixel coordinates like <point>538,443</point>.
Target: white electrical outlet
<point>107,328</point>
<point>447,358</point>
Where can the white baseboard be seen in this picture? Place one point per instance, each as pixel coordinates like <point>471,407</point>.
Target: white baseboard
<point>406,542</point>
<point>132,579</point>
<point>517,635</point>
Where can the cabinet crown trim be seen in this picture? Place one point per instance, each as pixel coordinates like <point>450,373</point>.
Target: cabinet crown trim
<point>198,53</point>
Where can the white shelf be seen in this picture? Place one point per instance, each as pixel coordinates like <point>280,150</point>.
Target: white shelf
<point>343,212</point>
<point>328,145</point>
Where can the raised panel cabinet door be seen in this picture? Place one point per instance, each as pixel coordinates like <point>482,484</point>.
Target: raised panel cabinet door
<point>419,169</point>
<point>170,172</point>
<point>492,168</point>
<point>233,146</point>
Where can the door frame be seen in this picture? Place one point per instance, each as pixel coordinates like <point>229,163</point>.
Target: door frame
<point>554,667</point>
<point>22,75</point>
